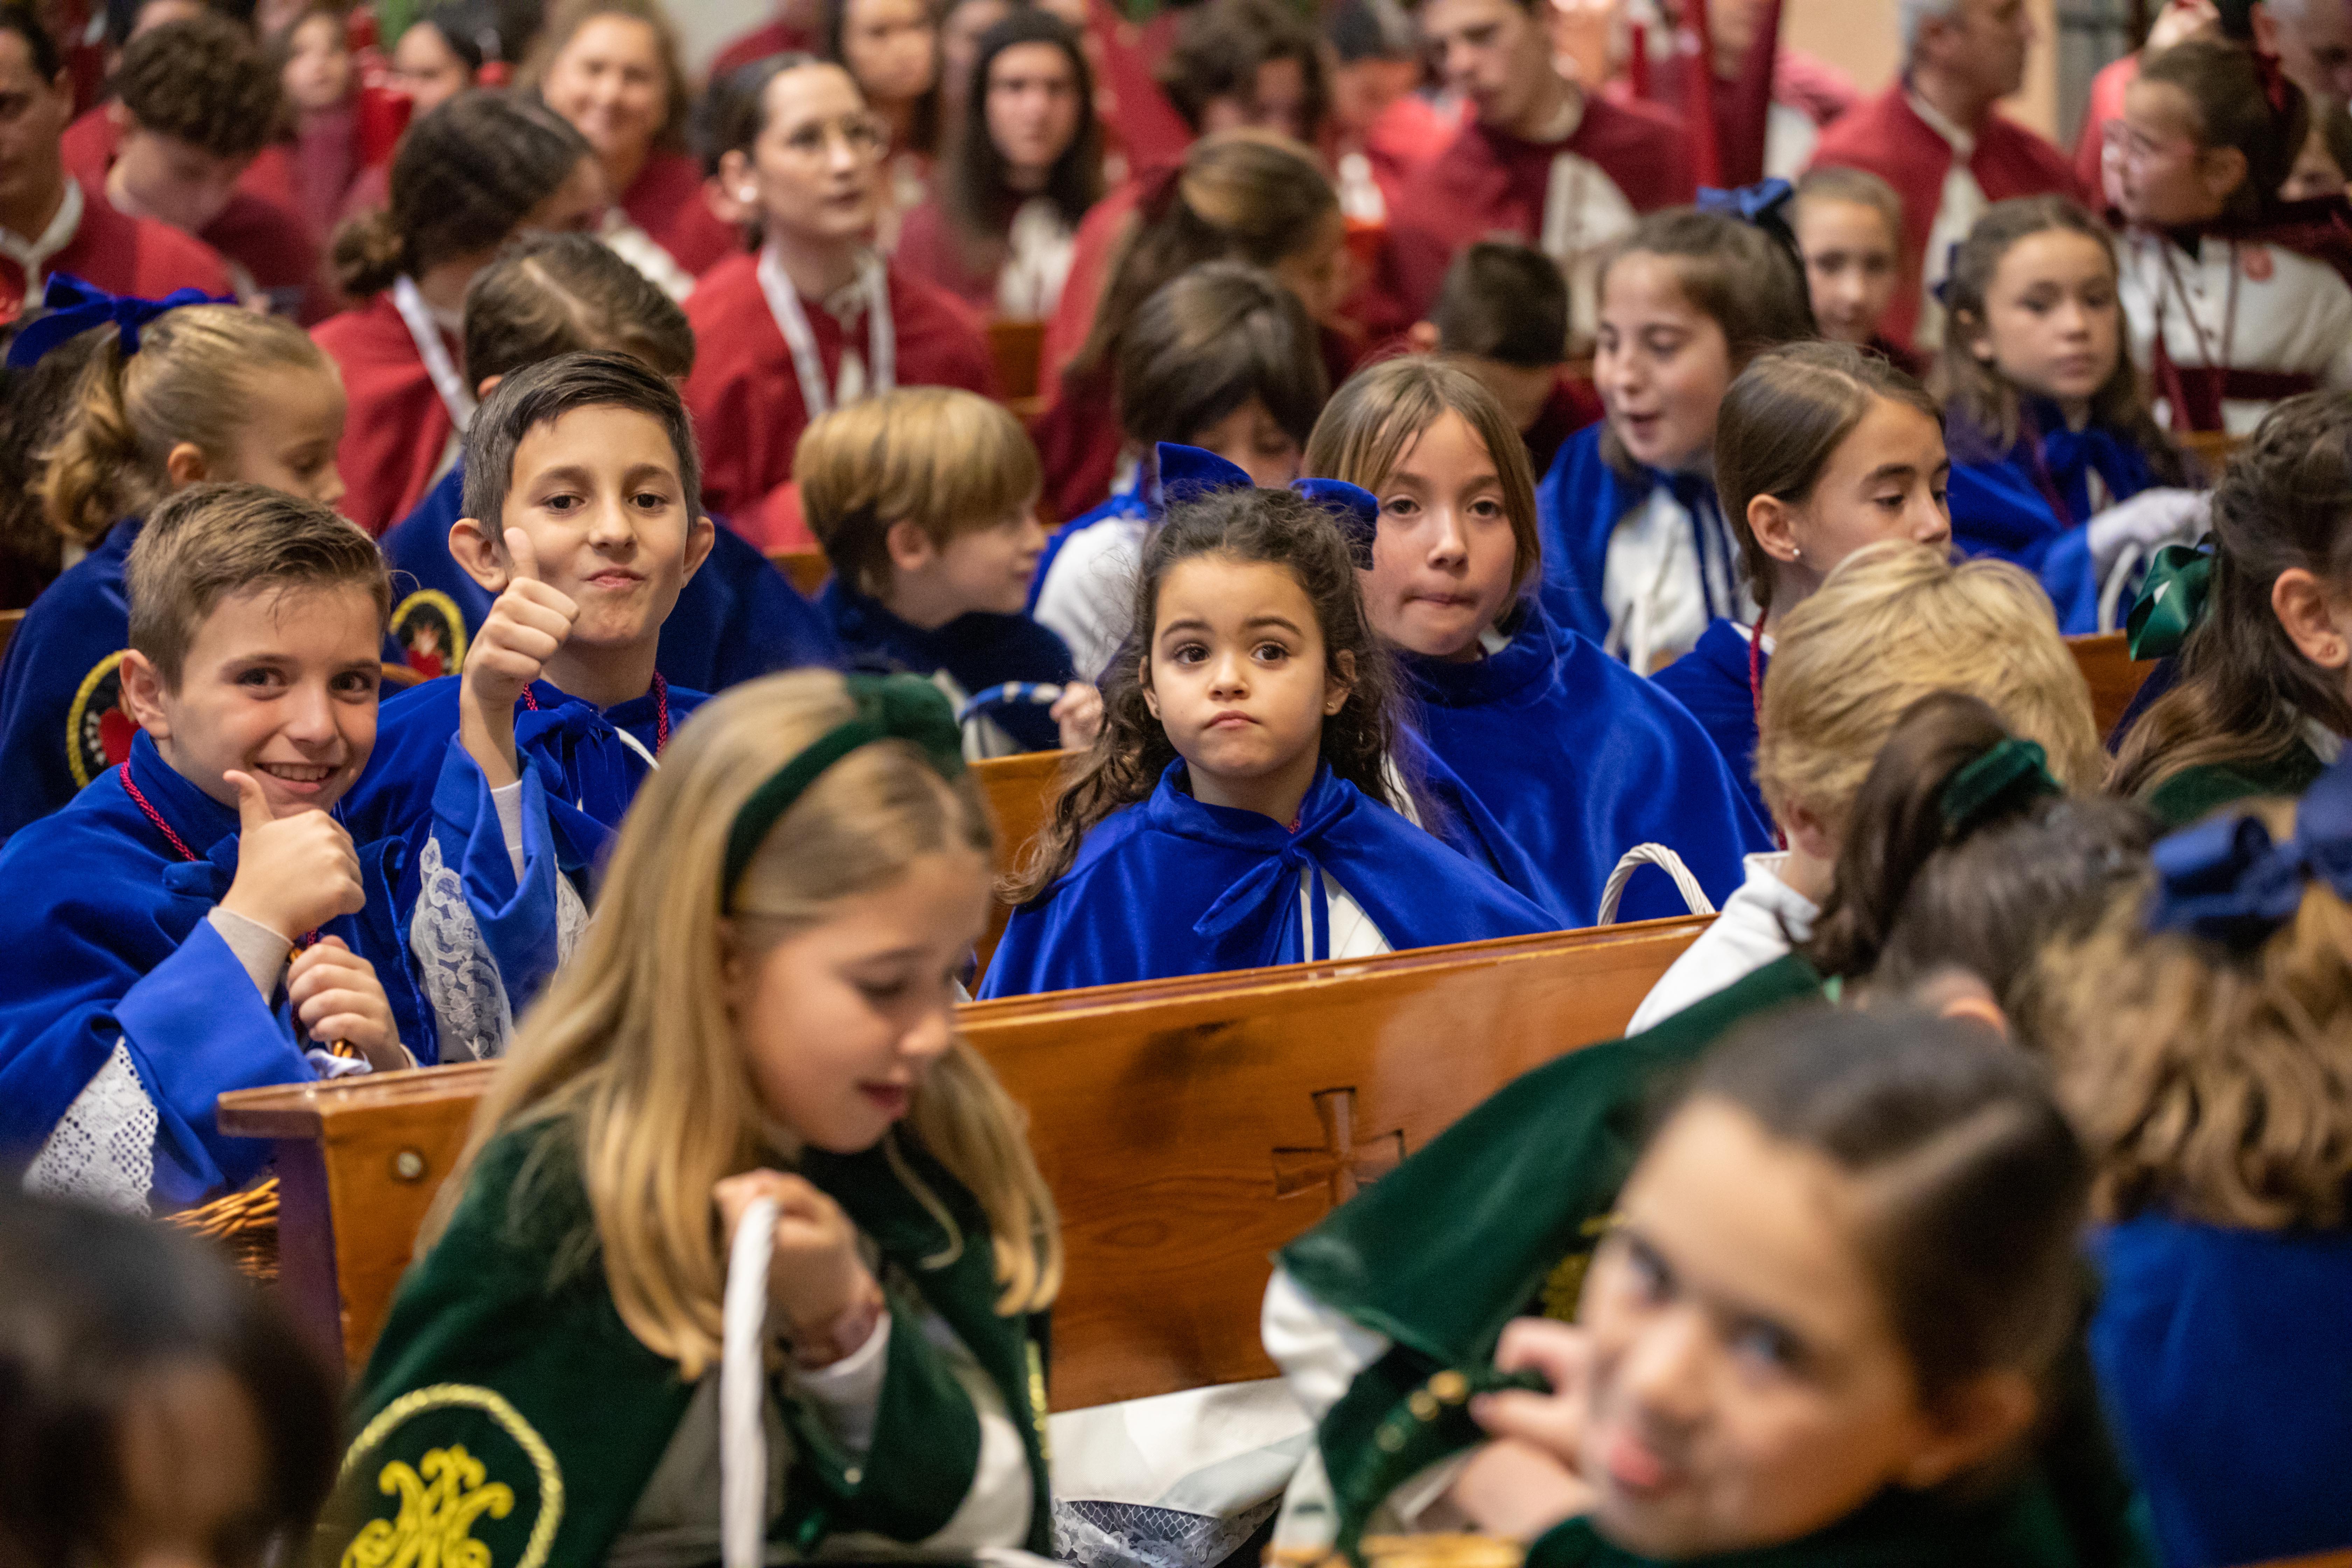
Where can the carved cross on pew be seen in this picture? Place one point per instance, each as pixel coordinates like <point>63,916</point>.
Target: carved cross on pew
<point>1341,1163</point>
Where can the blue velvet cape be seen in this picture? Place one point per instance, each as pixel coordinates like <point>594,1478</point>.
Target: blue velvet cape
<point>1711,681</point>
<point>68,641</point>
<point>1579,504</point>
<point>104,926</point>
<point>978,650</point>
<point>2226,1358</point>
<point>1581,759</point>
<point>736,619</point>
<point>1171,886</point>
<point>2001,507</point>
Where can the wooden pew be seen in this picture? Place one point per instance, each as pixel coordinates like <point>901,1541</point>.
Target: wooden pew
<point>9,621</point>
<point>806,570</point>
<point>1016,791</point>
<point>2213,449</point>
<point>1188,1128</point>
<point>2113,676</point>
<point>1019,350</point>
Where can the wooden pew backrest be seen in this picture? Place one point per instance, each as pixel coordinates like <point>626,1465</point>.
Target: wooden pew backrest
<point>2112,675</point>
<point>1017,791</point>
<point>1018,349</point>
<point>806,570</point>
<point>2213,449</point>
<point>9,621</point>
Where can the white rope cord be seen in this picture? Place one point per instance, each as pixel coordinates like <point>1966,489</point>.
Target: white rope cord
<point>1667,860</point>
<point>742,1390</point>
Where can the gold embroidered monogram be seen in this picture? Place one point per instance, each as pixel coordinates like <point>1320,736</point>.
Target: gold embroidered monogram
<point>440,1499</point>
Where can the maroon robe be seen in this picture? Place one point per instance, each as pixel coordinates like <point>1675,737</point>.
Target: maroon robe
<point>91,142</point>
<point>665,201</point>
<point>746,399</point>
<point>1490,184</point>
<point>1145,126</point>
<point>932,248</point>
<point>123,254</point>
<point>1885,136</point>
<point>398,429</point>
<point>277,251</point>
<point>752,48</point>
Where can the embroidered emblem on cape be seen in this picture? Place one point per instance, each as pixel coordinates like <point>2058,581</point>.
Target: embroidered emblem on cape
<point>1037,1406</point>
<point>1563,1288</point>
<point>469,1484</point>
<point>431,632</point>
<point>98,731</point>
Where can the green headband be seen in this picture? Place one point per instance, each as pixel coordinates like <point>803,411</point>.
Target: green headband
<point>889,708</point>
<point>2000,782</point>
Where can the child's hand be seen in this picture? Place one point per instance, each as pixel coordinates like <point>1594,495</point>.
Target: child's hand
<point>294,873</point>
<point>1079,711</point>
<point>526,624</point>
<point>816,1275</point>
<point>1553,1421</point>
<point>1515,1490</point>
<point>336,996</point>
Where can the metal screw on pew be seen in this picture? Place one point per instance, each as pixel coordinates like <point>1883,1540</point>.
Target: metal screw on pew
<point>408,1165</point>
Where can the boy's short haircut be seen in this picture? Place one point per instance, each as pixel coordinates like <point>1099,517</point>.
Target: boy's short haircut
<point>947,461</point>
<point>1859,186</point>
<point>1207,342</point>
<point>1892,623</point>
<point>549,294</point>
<point>542,393</point>
<point>202,81</point>
<point>1504,302</point>
<point>212,541</point>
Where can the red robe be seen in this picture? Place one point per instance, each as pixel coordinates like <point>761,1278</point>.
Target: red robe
<point>1885,136</point>
<point>746,399</point>
<point>930,248</point>
<point>1489,185</point>
<point>2105,102</point>
<point>1144,124</point>
<point>276,251</point>
<point>398,428</point>
<point>123,254</point>
<point>665,201</point>
<point>93,138</point>
<point>772,38</point>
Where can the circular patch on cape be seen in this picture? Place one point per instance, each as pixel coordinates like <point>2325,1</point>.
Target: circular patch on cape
<point>431,632</point>
<point>98,731</point>
<point>449,1473</point>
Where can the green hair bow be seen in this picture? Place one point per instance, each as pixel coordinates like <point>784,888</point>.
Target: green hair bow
<point>1993,786</point>
<point>2172,600</point>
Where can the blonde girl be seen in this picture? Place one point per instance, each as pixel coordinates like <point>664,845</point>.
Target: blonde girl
<point>202,392</point>
<point>762,1007</point>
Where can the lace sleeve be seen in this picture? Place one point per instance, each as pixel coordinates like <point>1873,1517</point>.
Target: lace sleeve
<point>103,1150</point>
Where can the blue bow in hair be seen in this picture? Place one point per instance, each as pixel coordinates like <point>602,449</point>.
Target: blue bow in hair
<point>74,306</point>
<point>1943,289</point>
<point>1187,473</point>
<point>2229,881</point>
<point>1749,203</point>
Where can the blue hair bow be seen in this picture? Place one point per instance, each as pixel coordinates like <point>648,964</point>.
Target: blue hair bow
<point>1943,289</point>
<point>74,306</point>
<point>1752,204</point>
<point>2229,881</point>
<point>1187,473</point>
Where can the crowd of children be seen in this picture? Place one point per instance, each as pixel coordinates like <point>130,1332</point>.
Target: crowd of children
<point>520,552</point>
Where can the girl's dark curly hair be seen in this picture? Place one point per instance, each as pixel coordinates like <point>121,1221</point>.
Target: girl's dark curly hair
<point>1246,526</point>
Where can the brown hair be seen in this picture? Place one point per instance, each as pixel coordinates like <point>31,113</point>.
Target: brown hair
<point>2231,100</point>
<point>1220,47</point>
<point>1986,415</point>
<point>1914,893</point>
<point>554,293</point>
<point>203,81</point>
<point>2244,688</point>
<point>1209,340</point>
<point>210,542</point>
<point>1862,188</point>
<point>1132,749</point>
<point>564,24</point>
<point>1892,623</point>
<point>633,1049</point>
<point>947,461</point>
<point>1384,408</point>
<point>464,179</point>
<point>545,391</point>
<point>923,125</point>
<point>199,370</point>
<point>972,188</point>
<point>1783,418</point>
<point>2211,1084</point>
<point>1504,302</point>
<point>1246,196</point>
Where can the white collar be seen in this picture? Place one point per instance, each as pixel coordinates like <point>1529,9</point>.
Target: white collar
<point>2324,743</point>
<point>1964,141</point>
<point>34,255</point>
<point>1774,897</point>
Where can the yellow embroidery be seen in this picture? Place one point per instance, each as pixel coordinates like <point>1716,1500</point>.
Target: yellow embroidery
<point>1037,1401</point>
<point>77,759</point>
<point>452,658</point>
<point>1564,1287</point>
<point>440,1498</point>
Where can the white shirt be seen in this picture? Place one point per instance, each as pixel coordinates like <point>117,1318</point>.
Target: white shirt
<point>1655,586</point>
<point>2296,316</point>
<point>1754,926</point>
<point>1958,208</point>
<point>33,255</point>
<point>1583,211</point>
<point>1090,588</point>
<point>1044,245</point>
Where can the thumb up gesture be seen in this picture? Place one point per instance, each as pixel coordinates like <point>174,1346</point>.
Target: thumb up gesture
<point>294,873</point>
<point>526,624</point>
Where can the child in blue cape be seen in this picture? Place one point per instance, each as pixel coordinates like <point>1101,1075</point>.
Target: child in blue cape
<point>2056,462</point>
<point>557,294</point>
<point>1222,357</point>
<point>2201,1043</point>
<point>926,502</point>
<point>182,393</point>
<point>1579,758</point>
<point>1240,807</point>
<point>1636,554</point>
<point>1820,449</point>
<point>151,922</point>
<point>582,483</point>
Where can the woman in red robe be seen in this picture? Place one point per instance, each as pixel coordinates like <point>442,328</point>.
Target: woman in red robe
<point>816,319</point>
<point>467,177</point>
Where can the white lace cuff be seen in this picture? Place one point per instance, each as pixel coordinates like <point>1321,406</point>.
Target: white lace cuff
<point>103,1149</point>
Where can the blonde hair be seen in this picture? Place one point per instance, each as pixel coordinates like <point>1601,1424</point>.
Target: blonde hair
<point>563,24</point>
<point>633,1047</point>
<point>2214,1085</point>
<point>1892,623</point>
<point>946,460</point>
<point>195,378</point>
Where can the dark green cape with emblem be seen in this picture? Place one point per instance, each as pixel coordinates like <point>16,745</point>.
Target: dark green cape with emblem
<point>2193,792</point>
<point>508,1419</point>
